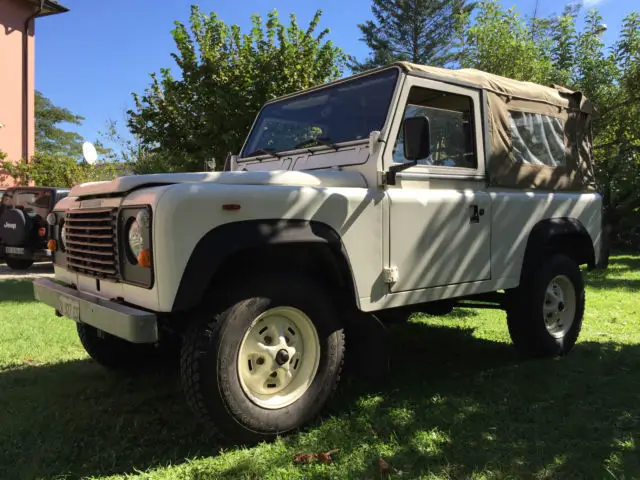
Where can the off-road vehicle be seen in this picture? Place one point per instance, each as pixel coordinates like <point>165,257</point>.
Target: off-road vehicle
<point>396,190</point>
<point>23,227</point>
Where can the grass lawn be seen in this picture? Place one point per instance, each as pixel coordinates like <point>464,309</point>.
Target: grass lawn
<point>459,404</point>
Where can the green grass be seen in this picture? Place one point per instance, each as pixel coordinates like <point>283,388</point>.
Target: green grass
<point>459,404</point>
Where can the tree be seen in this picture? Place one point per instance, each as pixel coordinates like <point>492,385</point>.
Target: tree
<point>500,42</point>
<point>50,137</point>
<point>225,77</point>
<point>58,158</point>
<point>419,31</point>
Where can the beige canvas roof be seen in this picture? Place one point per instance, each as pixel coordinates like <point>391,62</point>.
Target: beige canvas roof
<point>551,95</point>
<point>507,101</point>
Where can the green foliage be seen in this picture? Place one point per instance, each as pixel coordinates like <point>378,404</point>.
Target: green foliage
<point>225,77</point>
<point>50,137</point>
<point>57,170</point>
<point>500,41</point>
<point>419,31</point>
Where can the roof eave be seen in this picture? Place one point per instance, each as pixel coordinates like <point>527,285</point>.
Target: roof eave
<point>48,8</point>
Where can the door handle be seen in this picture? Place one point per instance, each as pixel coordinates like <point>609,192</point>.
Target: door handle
<point>476,213</point>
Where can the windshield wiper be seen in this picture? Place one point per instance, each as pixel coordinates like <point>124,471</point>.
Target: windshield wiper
<point>312,142</point>
<point>264,151</point>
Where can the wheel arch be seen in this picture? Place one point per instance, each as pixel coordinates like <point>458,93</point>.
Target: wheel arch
<point>559,234</point>
<point>232,248</point>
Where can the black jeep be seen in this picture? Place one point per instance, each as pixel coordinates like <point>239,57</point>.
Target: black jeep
<point>23,226</point>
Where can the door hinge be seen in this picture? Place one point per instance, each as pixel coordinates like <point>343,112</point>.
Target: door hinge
<point>390,275</point>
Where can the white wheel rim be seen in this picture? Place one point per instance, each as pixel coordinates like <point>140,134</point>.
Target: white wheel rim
<point>559,307</point>
<point>278,357</point>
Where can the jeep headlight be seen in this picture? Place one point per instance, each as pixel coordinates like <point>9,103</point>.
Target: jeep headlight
<point>136,233</point>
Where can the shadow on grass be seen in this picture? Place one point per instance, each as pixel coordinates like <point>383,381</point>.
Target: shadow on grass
<point>20,291</point>
<point>76,419</point>
<point>454,405</point>
<point>459,405</point>
<point>626,260</point>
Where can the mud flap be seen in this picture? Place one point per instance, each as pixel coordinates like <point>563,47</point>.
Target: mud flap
<point>368,348</point>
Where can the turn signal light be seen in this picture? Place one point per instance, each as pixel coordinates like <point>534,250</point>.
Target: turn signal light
<point>42,231</point>
<point>52,245</point>
<point>144,258</point>
<point>231,207</point>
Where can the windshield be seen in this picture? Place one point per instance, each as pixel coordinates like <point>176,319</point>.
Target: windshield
<point>345,112</point>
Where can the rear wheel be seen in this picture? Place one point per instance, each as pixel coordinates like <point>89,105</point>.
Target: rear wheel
<point>269,362</point>
<point>18,263</point>
<point>545,312</point>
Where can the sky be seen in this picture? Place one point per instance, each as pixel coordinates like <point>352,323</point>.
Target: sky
<point>93,57</point>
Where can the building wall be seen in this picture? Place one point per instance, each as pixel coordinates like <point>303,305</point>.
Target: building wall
<point>16,140</point>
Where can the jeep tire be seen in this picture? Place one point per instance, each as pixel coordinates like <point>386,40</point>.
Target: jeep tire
<point>544,313</point>
<point>115,353</point>
<point>265,358</point>
<point>18,263</point>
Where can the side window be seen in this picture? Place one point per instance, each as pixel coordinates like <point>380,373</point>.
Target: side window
<point>450,119</point>
<point>538,139</point>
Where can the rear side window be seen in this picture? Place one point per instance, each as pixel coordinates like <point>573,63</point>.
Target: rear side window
<point>538,139</point>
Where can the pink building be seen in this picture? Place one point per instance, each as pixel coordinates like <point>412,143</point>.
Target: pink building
<point>17,64</point>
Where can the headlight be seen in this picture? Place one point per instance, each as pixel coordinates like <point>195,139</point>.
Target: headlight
<point>134,243</point>
<point>136,240</point>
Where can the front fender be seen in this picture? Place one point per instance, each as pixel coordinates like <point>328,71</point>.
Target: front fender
<point>187,214</point>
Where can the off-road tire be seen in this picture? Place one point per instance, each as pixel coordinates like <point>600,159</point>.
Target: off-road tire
<point>525,305</point>
<point>18,264</point>
<point>113,352</point>
<point>210,349</point>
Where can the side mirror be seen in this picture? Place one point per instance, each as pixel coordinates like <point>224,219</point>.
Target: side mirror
<point>417,138</point>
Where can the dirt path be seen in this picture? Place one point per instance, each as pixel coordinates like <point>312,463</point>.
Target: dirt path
<point>35,271</point>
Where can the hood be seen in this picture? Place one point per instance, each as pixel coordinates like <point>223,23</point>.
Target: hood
<point>318,178</point>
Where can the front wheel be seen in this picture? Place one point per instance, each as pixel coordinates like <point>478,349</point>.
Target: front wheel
<point>269,362</point>
<point>544,313</point>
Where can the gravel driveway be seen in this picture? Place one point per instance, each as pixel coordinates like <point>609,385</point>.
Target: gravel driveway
<point>35,271</point>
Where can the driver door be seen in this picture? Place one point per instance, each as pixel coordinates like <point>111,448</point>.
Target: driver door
<point>440,212</point>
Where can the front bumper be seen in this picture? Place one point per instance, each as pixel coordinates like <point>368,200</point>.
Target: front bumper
<point>137,326</point>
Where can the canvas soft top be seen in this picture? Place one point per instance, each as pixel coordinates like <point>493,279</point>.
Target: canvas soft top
<point>517,108</point>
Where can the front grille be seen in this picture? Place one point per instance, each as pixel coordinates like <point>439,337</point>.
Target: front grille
<point>91,242</point>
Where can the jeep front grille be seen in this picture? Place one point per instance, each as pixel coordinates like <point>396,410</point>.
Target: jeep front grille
<point>91,242</point>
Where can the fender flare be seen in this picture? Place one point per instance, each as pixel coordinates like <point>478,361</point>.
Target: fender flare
<point>231,238</point>
<point>551,228</point>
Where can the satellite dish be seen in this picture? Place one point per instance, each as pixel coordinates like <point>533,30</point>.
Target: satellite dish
<point>89,153</point>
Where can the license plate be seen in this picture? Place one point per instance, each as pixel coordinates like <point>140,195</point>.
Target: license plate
<point>14,250</point>
<point>70,308</point>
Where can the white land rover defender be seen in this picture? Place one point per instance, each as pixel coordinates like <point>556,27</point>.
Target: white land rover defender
<point>402,189</point>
